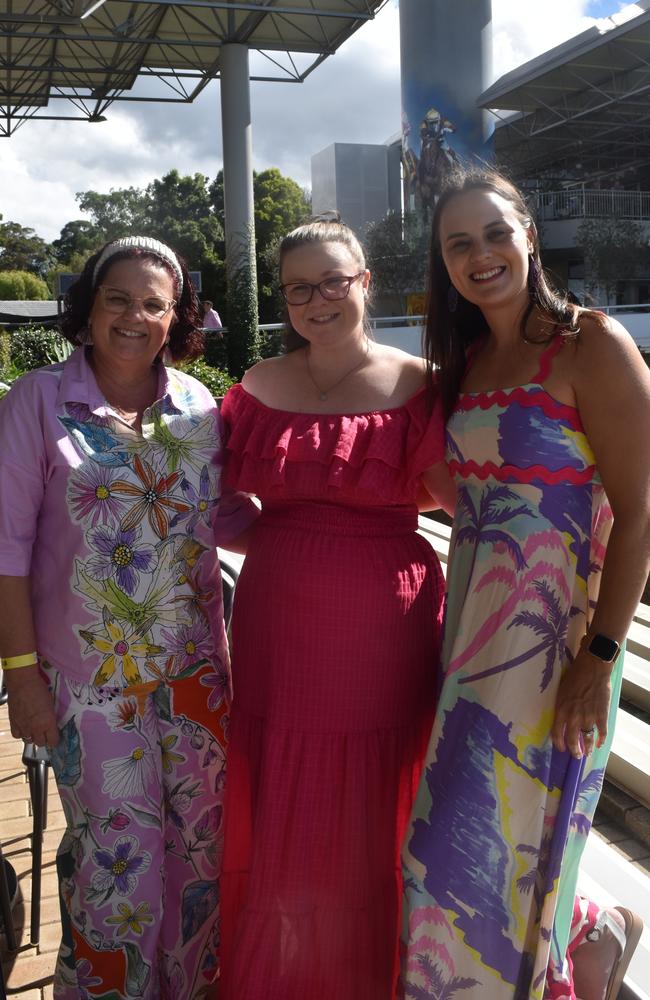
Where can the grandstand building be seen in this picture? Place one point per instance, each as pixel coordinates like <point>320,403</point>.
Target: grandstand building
<point>572,126</point>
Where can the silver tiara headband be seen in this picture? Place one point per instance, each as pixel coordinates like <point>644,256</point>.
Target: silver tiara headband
<point>140,243</point>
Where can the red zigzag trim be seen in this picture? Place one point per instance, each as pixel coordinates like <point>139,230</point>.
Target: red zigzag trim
<point>505,473</point>
<point>535,396</point>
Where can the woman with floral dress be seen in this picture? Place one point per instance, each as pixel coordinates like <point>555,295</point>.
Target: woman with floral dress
<point>112,632</point>
<point>547,408</point>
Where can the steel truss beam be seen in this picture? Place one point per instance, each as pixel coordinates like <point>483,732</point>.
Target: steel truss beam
<point>588,111</point>
<point>48,52</point>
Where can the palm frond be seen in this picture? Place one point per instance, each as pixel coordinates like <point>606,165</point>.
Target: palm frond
<point>464,502</point>
<point>580,824</point>
<point>547,673</point>
<point>468,533</point>
<point>496,537</point>
<point>431,971</point>
<point>532,620</point>
<point>456,984</point>
<point>526,883</point>
<point>592,783</point>
<point>497,494</point>
<point>415,992</point>
<point>505,514</point>
<point>551,601</point>
<point>528,849</point>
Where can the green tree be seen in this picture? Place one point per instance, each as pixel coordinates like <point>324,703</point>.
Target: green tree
<point>176,209</point>
<point>188,213</point>
<point>183,216</point>
<point>78,238</point>
<point>22,250</point>
<point>614,249</point>
<point>280,204</point>
<point>121,212</point>
<point>181,213</point>
<point>396,253</point>
<point>242,317</point>
<point>74,265</point>
<point>19,285</point>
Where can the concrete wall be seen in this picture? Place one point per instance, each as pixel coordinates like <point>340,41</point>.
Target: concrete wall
<point>561,233</point>
<point>353,178</point>
<point>409,338</point>
<point>323,180</point>
<point>637,324</point>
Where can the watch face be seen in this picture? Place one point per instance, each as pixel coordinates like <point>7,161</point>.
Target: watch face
<point>604,648</point>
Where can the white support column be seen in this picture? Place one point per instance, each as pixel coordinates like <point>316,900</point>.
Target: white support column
<point>237,156</point>
<point>243,321</point>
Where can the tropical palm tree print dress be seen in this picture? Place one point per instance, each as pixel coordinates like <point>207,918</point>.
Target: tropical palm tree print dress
<point>501,817</point>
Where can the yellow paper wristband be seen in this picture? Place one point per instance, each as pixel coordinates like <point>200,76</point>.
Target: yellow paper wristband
<point>13,662</point>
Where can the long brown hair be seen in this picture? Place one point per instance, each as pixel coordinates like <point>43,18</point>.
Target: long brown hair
<point>448,334</point>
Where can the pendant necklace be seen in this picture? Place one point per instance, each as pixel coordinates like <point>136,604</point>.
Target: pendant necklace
<point>324,393</point>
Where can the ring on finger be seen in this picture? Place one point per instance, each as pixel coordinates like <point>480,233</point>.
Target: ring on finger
<point>588,732</point>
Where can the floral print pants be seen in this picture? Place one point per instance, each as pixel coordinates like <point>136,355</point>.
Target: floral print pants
<point>140,772</point>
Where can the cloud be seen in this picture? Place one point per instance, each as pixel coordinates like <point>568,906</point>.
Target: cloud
<point>44,165</point>
<point>521,32</point>
<point>354,96</point>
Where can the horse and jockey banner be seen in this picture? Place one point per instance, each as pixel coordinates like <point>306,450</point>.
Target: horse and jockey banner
<point>441,123</point>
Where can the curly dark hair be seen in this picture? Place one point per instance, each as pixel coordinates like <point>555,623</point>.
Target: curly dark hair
<point>326,228</point>
<point>186,339</point>
<point>448,335</point>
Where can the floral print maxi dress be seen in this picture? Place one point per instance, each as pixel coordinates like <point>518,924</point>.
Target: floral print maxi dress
<point>501,817</point>
<point>116,529</point>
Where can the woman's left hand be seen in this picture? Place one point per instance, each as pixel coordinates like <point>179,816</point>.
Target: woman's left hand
<point>582,705</point>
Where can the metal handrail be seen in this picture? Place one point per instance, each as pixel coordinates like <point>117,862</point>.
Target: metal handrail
<point>584,203</point>
<point>374,321</point>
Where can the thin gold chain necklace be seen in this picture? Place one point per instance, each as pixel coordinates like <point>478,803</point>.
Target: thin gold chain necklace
<point>324,393</point>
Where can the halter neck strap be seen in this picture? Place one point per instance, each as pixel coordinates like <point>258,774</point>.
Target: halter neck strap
<point>546,358</point>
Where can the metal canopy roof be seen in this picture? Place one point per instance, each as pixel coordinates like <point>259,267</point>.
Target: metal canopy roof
<point>581,110</point>
<point>70,59</point>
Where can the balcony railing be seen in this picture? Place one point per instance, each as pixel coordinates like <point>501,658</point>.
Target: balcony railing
<point>586,204</point>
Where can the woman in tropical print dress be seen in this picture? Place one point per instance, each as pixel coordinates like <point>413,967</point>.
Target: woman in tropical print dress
<point>548,410</point>
<point>110,505</point>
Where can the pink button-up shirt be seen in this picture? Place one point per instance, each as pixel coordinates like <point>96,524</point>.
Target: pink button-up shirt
<point>116,529</point>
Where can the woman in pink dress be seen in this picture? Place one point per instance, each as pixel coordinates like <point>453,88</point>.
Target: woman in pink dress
<point>335,637</point>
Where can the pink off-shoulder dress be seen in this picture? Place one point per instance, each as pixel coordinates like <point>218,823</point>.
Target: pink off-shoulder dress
<point>336,632</point>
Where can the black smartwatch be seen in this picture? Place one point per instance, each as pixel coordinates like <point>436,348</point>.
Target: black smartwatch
<point>604,648</point>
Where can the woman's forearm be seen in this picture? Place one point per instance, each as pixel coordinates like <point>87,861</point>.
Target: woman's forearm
<point>17,634</point>
<point>625,573</point>
<point>31,709</point>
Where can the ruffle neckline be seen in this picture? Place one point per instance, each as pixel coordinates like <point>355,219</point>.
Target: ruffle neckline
<point>376,455</point>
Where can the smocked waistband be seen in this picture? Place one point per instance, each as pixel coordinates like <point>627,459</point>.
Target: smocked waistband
<point>340,520</point>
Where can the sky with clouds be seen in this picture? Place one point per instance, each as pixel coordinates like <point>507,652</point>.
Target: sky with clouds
<point>354,96</point>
